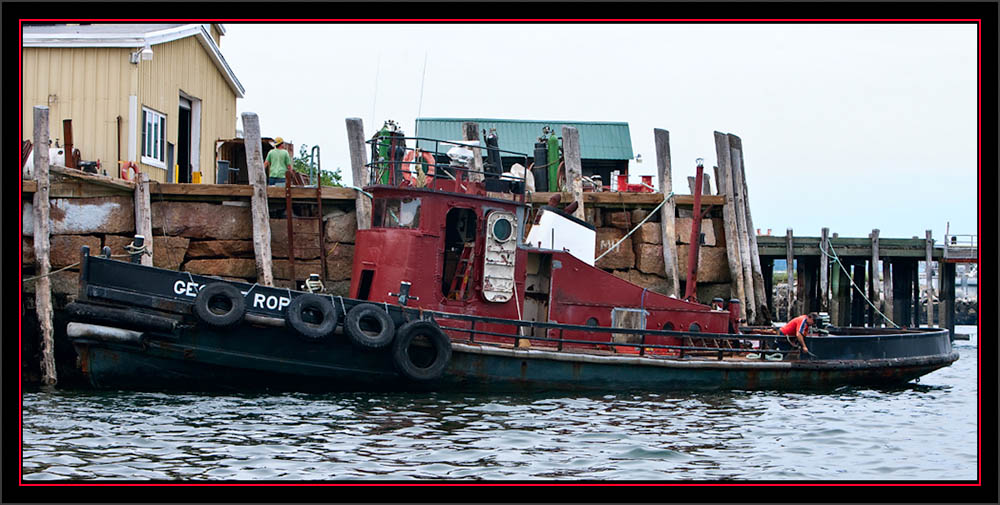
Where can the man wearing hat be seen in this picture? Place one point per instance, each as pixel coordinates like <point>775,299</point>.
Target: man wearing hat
<point>277,163</point>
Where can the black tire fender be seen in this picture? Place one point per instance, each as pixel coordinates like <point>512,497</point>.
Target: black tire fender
<point>312,331</point>
<point>209,310</point>
<point>370,313</point>
<point>401,350</point>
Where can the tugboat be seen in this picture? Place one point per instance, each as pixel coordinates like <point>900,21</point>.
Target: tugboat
<point>457,284</point>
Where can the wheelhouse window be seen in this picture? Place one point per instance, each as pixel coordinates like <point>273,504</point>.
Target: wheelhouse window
<point>154,135</point>
<point>396,213</point>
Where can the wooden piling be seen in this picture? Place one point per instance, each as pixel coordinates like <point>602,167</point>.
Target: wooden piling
<point>359,158</point>
<point>144,217</point>
<point>858,302</point>
<point>258,200</point>
<point>767,268</point>
<point>874,284</point>
<point>824,269</point>
<point>836,288</point>
<point>947,316</point>
<point>887,290</point>
<point>668,212</point>
<point>718,187</point>
<point>757,274</point>
<point>915,293</point>
<point>929,274</point>
<point>43,285</point>
<point>743,235</point>
<point>725,183</point>
<point>470,132</point>
<point>790,267</point>
<point>574,167</point>
<point>902,284</point>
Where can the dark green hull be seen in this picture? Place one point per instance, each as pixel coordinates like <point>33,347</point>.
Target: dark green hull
<point>253,359</point>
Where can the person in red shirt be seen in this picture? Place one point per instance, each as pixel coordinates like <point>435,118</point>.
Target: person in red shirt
<point>800,327</point>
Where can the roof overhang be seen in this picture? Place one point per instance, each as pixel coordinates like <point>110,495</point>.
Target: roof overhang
<point>139,40</point>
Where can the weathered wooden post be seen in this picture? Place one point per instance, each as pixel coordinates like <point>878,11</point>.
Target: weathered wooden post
<point>258,200</point>
<point>43,285</point>
<point>574,167</point>
<point>873,284</point>
<point>824,270</point>
<point>470,133</point>
<point>725,182</point>
<point>739,168</point>
<point>887,289</point>
<point>947,316</point>
<point>743,235</point>
<point>359,158</point>
<point>144,216</point>
<point>668,212</point>
<point>929,274</point>
<point>790,268</point>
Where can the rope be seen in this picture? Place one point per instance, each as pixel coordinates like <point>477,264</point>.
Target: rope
<point>651,213</point>
<point>842,267</point>
<point>363,192</point>
<point>67,267</point>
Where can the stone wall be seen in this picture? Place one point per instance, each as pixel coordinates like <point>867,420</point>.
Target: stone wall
<point>198,237</point>
<point>639,258</point>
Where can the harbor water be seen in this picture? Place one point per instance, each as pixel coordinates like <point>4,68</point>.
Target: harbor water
<point>920,431</point>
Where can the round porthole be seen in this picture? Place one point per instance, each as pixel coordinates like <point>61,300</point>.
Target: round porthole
<point>592,321</point>
<point>502,229</point>
<point>669,326</point>
<point>695,327</point>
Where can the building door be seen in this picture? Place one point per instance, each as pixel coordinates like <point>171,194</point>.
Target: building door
<point>184,141</point>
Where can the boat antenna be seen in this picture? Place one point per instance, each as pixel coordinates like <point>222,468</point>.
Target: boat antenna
<point>420,104</point>
<point>375,95</point>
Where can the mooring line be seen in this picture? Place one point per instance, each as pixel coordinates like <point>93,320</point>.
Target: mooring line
<point>670,195</point>
<point>842,267</point>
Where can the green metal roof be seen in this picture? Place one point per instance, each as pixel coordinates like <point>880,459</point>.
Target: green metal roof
<point>598,140</point>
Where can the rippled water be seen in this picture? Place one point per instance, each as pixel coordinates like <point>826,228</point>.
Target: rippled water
<point>924,431</point>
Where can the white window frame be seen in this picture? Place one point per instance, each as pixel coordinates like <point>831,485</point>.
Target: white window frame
<point>154,149</point>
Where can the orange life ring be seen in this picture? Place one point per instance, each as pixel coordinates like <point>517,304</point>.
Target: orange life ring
<point>125,166</point>
<point>410,172</point>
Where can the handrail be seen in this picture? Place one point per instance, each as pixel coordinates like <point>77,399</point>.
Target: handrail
<point>442,179</point>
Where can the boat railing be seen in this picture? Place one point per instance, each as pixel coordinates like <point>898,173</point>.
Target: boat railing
<point>736,343</point>
<point>404,166</point>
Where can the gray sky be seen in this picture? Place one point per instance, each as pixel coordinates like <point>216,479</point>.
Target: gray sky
<point>852,127</point>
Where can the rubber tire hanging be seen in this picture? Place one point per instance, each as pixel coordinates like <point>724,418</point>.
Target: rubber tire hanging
<point>312,331</point>
<point>361,338</point>
<point>401,350</point>
<point>212,292</point>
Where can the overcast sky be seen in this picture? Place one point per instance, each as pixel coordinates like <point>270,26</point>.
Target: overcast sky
<point>852,127</point>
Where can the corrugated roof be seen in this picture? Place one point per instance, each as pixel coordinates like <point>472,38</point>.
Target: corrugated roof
<point>599,140</point>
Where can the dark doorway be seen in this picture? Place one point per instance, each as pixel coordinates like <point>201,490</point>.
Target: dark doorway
<point>184,141</point>
<point>459,242</point>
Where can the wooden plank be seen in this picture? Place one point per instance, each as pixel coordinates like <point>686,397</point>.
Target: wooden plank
<point>736,148</point>
<point>99,180</point>
<point>824,269</point>
<point>470,132</point>
<point>144,217</point>
<point>359,158</point>
<point>928,274</point>
<point>743,235</point>
<point>668,211</point>
<point>725,183</point>
<point>874,283</point>
<point>43,285</point>
<point>718,187</point>
<point>574,167</point>
<point>258,201</point>
<point>790,267</point>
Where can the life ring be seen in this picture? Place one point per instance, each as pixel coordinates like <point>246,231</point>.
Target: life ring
<point>220,305</point>
<point>409,164</point>
<point>369,326</point>
<point>125,167</point>
<point>318,305</point>
<point>404,361</point>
